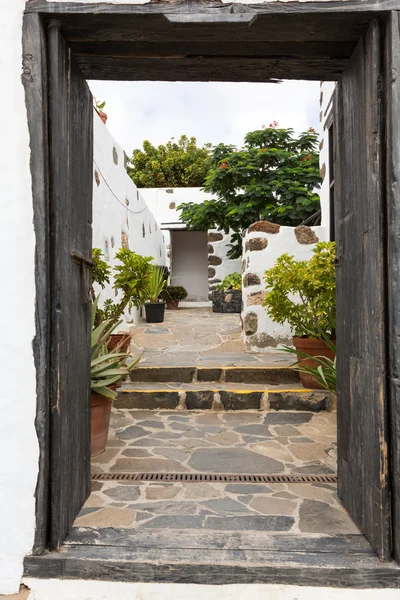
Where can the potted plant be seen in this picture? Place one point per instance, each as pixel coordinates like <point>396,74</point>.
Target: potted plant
<point>227,298</point>
<point>99,109</point>
<point>155,307</point>
<point>108,369</point>
<point>172,295</point>
<point>101,275</point>
<point>302,293</point>
<point>132,278</point>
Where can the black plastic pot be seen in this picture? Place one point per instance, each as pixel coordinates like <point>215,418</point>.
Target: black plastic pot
<point>155,312</point>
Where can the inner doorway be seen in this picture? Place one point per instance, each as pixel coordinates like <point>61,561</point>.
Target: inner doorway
<point>189,263</point>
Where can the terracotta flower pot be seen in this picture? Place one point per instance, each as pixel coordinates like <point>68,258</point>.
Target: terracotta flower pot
<point>103,116</point>
<point>117,338</point>
<point>312,347</point>
<point>173,305</point>
<point>100,422</point>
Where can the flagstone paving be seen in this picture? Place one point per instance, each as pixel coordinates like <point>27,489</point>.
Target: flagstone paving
<point>256,442</point>
<point>197,336</point>
<point>208,442</point>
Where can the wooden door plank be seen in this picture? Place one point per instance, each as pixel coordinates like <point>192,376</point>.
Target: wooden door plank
<point>206,6</point>
<point>392,62</point>
<point>214,567</point>
<point>71,163</point>
<point>361,295</point>
<point>34,78</point>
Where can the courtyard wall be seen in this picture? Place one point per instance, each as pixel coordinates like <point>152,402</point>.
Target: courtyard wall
<point>263,243</point>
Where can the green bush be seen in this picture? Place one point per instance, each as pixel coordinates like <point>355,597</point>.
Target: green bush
<point>303,293</point>
<point>174,293</point>
<point>101,269</point>
<point>231,282</point>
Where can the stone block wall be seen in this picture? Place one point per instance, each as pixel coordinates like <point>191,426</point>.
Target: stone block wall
<point>219,265</point>
<point>263,243</point>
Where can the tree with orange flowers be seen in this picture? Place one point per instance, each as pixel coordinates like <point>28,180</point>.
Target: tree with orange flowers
<point>274,177</point>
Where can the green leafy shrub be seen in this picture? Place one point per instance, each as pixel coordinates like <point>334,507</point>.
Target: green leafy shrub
<point>132,277</point>
<point>174,293</point>
<point>231,282</point>
<point>303,293</point>
<point>101,269</point>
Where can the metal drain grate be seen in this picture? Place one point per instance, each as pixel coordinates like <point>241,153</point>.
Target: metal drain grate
<point>223,478</point>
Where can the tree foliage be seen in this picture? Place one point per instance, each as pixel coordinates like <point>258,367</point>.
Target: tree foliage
<point>174,164</point>
<point>273,177</point>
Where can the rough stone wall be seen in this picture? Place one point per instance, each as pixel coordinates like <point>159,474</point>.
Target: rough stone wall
<point>219,265</point>
<point>263,243</point>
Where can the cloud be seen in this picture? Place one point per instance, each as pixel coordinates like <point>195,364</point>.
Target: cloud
<point>212,112</point>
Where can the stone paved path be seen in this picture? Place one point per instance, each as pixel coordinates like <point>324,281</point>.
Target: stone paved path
<point>219,442</point>
<point>197,336</point>
<point>229,442</point>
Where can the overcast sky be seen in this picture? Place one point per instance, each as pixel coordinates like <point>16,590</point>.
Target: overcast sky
<point>212,112</point>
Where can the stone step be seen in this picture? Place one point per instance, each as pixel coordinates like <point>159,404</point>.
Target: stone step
<point>222,396</point>
<point>273,375</point>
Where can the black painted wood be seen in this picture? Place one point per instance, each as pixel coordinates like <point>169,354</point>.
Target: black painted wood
<point>197,6</point>
<point>392,62</point>
<point>71,164</point>
<point>232,540</point>
<point>361,294</point>
<point>214,566</point>
<point>34,78</point>
<point>208,41</point>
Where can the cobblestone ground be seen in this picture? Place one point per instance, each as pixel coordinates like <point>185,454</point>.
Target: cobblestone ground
<point>239,442</point>
<point>197,336</point>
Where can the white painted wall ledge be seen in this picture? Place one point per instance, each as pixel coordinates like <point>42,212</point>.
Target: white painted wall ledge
<point>48,589</point>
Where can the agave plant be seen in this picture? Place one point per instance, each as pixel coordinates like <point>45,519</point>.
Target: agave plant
<point>108,368</point>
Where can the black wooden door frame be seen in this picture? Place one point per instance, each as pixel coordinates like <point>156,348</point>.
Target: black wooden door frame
<point>35,79</point>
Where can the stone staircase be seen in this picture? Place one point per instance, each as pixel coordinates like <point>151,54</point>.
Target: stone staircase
<point>220,388</point>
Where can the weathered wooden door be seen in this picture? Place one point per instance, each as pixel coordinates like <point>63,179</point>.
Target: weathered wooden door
<point>71,174</point>
<point>392,89</point>
<point>362,333</point>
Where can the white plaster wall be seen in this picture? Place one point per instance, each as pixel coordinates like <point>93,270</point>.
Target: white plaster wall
<point>163,202</point>
<point>18,442</point>
<point>119,208</point>
<point>257,262</point>
<point>189,263</point>
<point>327,89</point>
<point>48,589</point>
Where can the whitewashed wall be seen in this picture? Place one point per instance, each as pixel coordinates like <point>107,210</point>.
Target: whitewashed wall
<point>263,243</point>
<point>49,589</point>
<point>121,216</point>
<point>326,107</point>
<point>18,441</point>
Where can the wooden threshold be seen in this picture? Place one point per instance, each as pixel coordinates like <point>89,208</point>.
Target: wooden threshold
<point>217,558</point>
